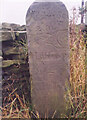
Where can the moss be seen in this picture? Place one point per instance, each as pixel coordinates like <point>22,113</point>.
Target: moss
<point>7,63</point>
<point>6,36</point>
<point>11,50</point>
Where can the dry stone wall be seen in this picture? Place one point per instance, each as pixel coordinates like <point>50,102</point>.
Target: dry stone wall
<point>13,55</point>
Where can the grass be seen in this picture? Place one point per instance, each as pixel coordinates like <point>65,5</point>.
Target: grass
<point>77,92</point>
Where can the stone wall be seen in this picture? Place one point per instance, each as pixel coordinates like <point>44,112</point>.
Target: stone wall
<point>15,72</point>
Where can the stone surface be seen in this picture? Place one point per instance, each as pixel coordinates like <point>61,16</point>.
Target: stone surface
<point>47,33</point>
<point>8,26</point>
<point>6,36</point>
<point>14,68</point>
<point>13,40</point>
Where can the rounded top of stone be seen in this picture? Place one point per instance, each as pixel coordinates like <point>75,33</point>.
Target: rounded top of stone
<point>47,0</point>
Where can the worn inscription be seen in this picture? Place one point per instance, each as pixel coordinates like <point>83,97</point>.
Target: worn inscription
<point>48,47</point>
<point>46,55</point>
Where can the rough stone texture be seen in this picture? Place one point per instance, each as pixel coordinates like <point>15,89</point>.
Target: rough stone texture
<point>13,62</point>
<point>11,38</point>
<point>47,32</point>
<point>10,26</point>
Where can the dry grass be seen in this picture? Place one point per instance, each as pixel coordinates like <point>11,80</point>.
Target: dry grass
<point>77,92</point>
<point>16,108</point>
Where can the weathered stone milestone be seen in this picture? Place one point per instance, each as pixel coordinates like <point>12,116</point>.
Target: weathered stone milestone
<point>47,33</point>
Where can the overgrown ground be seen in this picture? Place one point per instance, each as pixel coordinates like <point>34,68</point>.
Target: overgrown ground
<point>16,105</point>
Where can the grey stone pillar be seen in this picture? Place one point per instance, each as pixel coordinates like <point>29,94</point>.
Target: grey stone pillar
<point>47,34</point>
